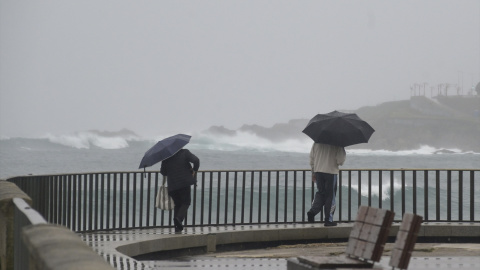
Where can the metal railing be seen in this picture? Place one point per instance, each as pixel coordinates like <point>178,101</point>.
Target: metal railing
<point>24,215</point>
<point>121,200</point>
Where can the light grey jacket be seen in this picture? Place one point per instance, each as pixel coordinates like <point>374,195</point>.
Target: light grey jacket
<point>326,158</point>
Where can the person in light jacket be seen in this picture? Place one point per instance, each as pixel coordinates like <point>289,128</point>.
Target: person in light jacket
<point>180,176</point>
<point>324,161</point>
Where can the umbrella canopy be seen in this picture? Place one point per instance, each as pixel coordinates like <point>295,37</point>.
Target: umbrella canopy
<point>164,149</point>
<point>337,128</point>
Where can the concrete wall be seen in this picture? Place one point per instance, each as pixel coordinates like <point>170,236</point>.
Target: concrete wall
<point>50,247</point>
<point>8,191</point>
<point>54,247</point>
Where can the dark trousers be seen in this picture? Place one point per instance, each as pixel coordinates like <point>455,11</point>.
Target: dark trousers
<point>182,199</point>
<point>325,195</point>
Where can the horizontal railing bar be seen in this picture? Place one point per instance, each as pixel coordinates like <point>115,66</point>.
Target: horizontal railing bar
<point>256,170</point>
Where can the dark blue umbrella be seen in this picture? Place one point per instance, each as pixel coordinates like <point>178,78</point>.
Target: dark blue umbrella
<point>337,128</point>
<point>164,149</point>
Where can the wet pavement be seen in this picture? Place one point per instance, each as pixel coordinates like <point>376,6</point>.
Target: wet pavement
<point>219,263</point>
<point>425,255</point>
<point>338,249</point>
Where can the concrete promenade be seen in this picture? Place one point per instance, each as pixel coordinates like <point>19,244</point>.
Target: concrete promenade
<point>255,246</point>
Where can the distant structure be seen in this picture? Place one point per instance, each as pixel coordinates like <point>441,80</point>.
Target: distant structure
<point>442,89</point>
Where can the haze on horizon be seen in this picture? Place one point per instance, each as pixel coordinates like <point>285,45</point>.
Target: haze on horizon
<point>160,67</point>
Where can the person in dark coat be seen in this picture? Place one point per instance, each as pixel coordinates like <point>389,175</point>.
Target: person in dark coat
<point>180,176</point>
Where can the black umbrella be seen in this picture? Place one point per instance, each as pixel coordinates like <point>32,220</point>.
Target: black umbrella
<point>337,128</point>
<point>164,149</point>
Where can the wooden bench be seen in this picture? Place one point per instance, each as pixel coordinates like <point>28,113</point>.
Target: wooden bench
<point>405,242</point>
<point>365,243</point>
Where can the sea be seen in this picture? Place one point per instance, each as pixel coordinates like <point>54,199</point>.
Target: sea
<point>90,152</point>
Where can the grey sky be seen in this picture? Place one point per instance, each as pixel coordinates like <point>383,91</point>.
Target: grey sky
<point>160,67</point>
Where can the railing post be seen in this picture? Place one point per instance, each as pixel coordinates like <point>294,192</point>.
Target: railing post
<point>202,200</point>
<point>140,217</point>
<point>449,195</point>
<point>149,199</point>
<point>219,182</point>
<point>294,196</point>
<point>74,203</point>
<point>120,204</point>
<point>115,200</point>
<point>392,191</point>
<point>277,195</point>
<point>414,191</point>
<point>437,194</point>
<point>369,188</point>
<point>227,176</point>
<point>127,200</point>
<point>472,196</point>
<point>425,194</point>
<point>134,198</point>
<point>285,214</point>
<point>243,197</point>
<point>340,204</point>
<point>85,202</point>
<point>359,176</point>
<point>210,194</point>
<point>460,195</point>
<point>90,202</point>
<point>380,189</point>
<point>268,195</point>
<point>303,194</point>
<point>251,196</point>
<point>79,202</point>
<point>234,218</point>
<point>349,195</point>
<point>403,192</point>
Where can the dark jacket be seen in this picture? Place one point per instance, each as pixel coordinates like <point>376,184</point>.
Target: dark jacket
<point>178,169</point>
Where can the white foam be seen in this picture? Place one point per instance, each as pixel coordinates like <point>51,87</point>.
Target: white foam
<point>84,140</point>
<point>423,150</point>
<point>247,141</point>
<point>251,142</point>
<point>240,141</point>
<point>386,188</point>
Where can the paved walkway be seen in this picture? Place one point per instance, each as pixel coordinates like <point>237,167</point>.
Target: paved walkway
<point>115,246</point>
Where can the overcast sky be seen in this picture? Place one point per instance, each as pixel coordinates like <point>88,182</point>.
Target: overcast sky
<point>159,67</point>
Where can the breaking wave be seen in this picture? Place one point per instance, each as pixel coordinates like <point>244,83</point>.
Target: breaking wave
<point>85,140</point>
<point>252,142</point>
<point>423,150</point>
<point>241,141</point>
<point>247,141</point>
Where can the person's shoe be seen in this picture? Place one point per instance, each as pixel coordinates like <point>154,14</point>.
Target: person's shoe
<point>330,224</point>
<point>178,225</point>
<point>311,217</point>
